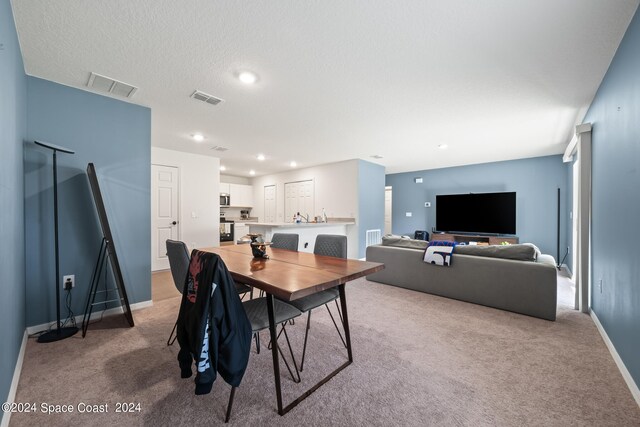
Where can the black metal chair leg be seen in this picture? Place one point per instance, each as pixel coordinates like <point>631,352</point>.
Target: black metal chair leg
<point>295,380</point>
<point>306,335</point>
<point>171,340</point>
<point>230,404</point>
<point>336,325</point>
<point>278,337</point>
<point>257,337</point>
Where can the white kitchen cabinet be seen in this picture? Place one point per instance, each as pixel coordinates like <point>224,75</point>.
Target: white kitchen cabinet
<point>241,195</point>
<point>240,230</point>
<point>224,188</point>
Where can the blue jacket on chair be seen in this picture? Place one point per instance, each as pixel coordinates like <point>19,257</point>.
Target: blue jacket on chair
<point>213,329</point>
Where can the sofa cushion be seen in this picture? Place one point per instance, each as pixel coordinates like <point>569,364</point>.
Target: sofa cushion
<point>404,242</point>
<point>523,252</point>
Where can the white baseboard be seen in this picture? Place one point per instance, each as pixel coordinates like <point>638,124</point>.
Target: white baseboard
<point>94,315</point>
<point>633,387</point>
<point>16,378</point>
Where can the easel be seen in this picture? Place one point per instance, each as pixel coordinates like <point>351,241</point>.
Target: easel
<point>103,254</point>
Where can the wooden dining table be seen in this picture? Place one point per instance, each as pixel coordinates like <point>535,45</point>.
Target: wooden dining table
<point>289,275</point>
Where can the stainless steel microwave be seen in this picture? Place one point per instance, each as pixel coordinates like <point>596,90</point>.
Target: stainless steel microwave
<point>225,199</point>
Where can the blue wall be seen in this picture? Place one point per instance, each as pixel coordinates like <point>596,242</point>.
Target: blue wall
<point>615,233</point>
<point>13,113</point>
<point>535,181</point>
<point>116,137</point>
<point>370,201</point>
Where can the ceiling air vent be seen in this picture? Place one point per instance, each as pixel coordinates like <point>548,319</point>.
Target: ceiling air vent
<point>205,97</point>
<point>107,84</point>
<point>218,148</point>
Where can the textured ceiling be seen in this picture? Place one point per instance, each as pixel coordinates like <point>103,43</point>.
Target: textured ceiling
<point>495,80</point>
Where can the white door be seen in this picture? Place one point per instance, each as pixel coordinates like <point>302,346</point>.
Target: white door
<point>269,203</point>
<point>164,213</point>
<point>387,210</point>
<point>298,197</point>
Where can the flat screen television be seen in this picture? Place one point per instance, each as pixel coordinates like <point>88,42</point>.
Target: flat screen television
<point>482,213</point>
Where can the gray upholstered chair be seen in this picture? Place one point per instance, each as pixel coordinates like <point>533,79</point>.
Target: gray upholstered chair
<point>178,255</point>
<point>287,241</point>
<point>334,245</point>
<point>179,258</point>
<point>258,315</point>
<point>328,245</point>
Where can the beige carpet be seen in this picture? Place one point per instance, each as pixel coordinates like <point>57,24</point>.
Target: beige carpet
<point>419,360</point>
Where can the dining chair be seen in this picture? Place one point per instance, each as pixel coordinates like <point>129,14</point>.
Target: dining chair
<point>287,241</point>
<point>332,245</point>
<point>179,258</point>
<point>257,313</point>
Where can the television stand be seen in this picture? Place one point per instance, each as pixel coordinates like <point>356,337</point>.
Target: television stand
<point>479,238</point>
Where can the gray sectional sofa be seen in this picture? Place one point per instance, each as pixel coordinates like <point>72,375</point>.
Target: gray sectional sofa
<point>515,278</point>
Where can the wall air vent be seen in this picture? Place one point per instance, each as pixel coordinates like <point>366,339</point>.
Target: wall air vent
<point>106,84</point>
<point>218,148</point>
<point>205,97</point>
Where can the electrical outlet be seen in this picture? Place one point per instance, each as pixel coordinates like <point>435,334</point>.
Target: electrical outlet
<point>408,214</point>
<point>68,281</point>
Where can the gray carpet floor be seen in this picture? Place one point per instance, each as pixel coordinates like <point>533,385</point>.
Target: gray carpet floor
<point>419,360</point>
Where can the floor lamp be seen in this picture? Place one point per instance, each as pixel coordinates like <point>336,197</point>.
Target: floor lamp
<point>59,333</point>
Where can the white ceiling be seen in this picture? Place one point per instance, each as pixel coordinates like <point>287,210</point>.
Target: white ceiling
<point>495,80</point>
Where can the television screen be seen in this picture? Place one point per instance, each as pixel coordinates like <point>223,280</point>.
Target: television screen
<point>491,213</point>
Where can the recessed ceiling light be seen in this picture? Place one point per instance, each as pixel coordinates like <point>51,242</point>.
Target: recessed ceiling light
<point>252,172</point>
<point>223,168</point>
<point>443,146</point>
<point>260,157</point>
<point>293,164</point>
<point>247,77</point>
<point>198,137</point>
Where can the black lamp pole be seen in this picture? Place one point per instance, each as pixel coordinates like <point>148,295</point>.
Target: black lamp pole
<point>59,333</point>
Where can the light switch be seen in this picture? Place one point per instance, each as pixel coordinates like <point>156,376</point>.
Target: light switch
<point>408,214</point>
<point>194,215</point>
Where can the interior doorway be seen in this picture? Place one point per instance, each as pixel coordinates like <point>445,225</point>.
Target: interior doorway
<point>387,210</point>
<point>165,224</point>
<point>269,203</point>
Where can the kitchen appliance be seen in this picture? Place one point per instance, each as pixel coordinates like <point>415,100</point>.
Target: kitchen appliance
<point>226,230</point>
<point>244,214</point>
<point>225,199</point>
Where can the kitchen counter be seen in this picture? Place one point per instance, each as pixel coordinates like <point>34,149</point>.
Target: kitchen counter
<point>306,231</point>
<point>301,224</point>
